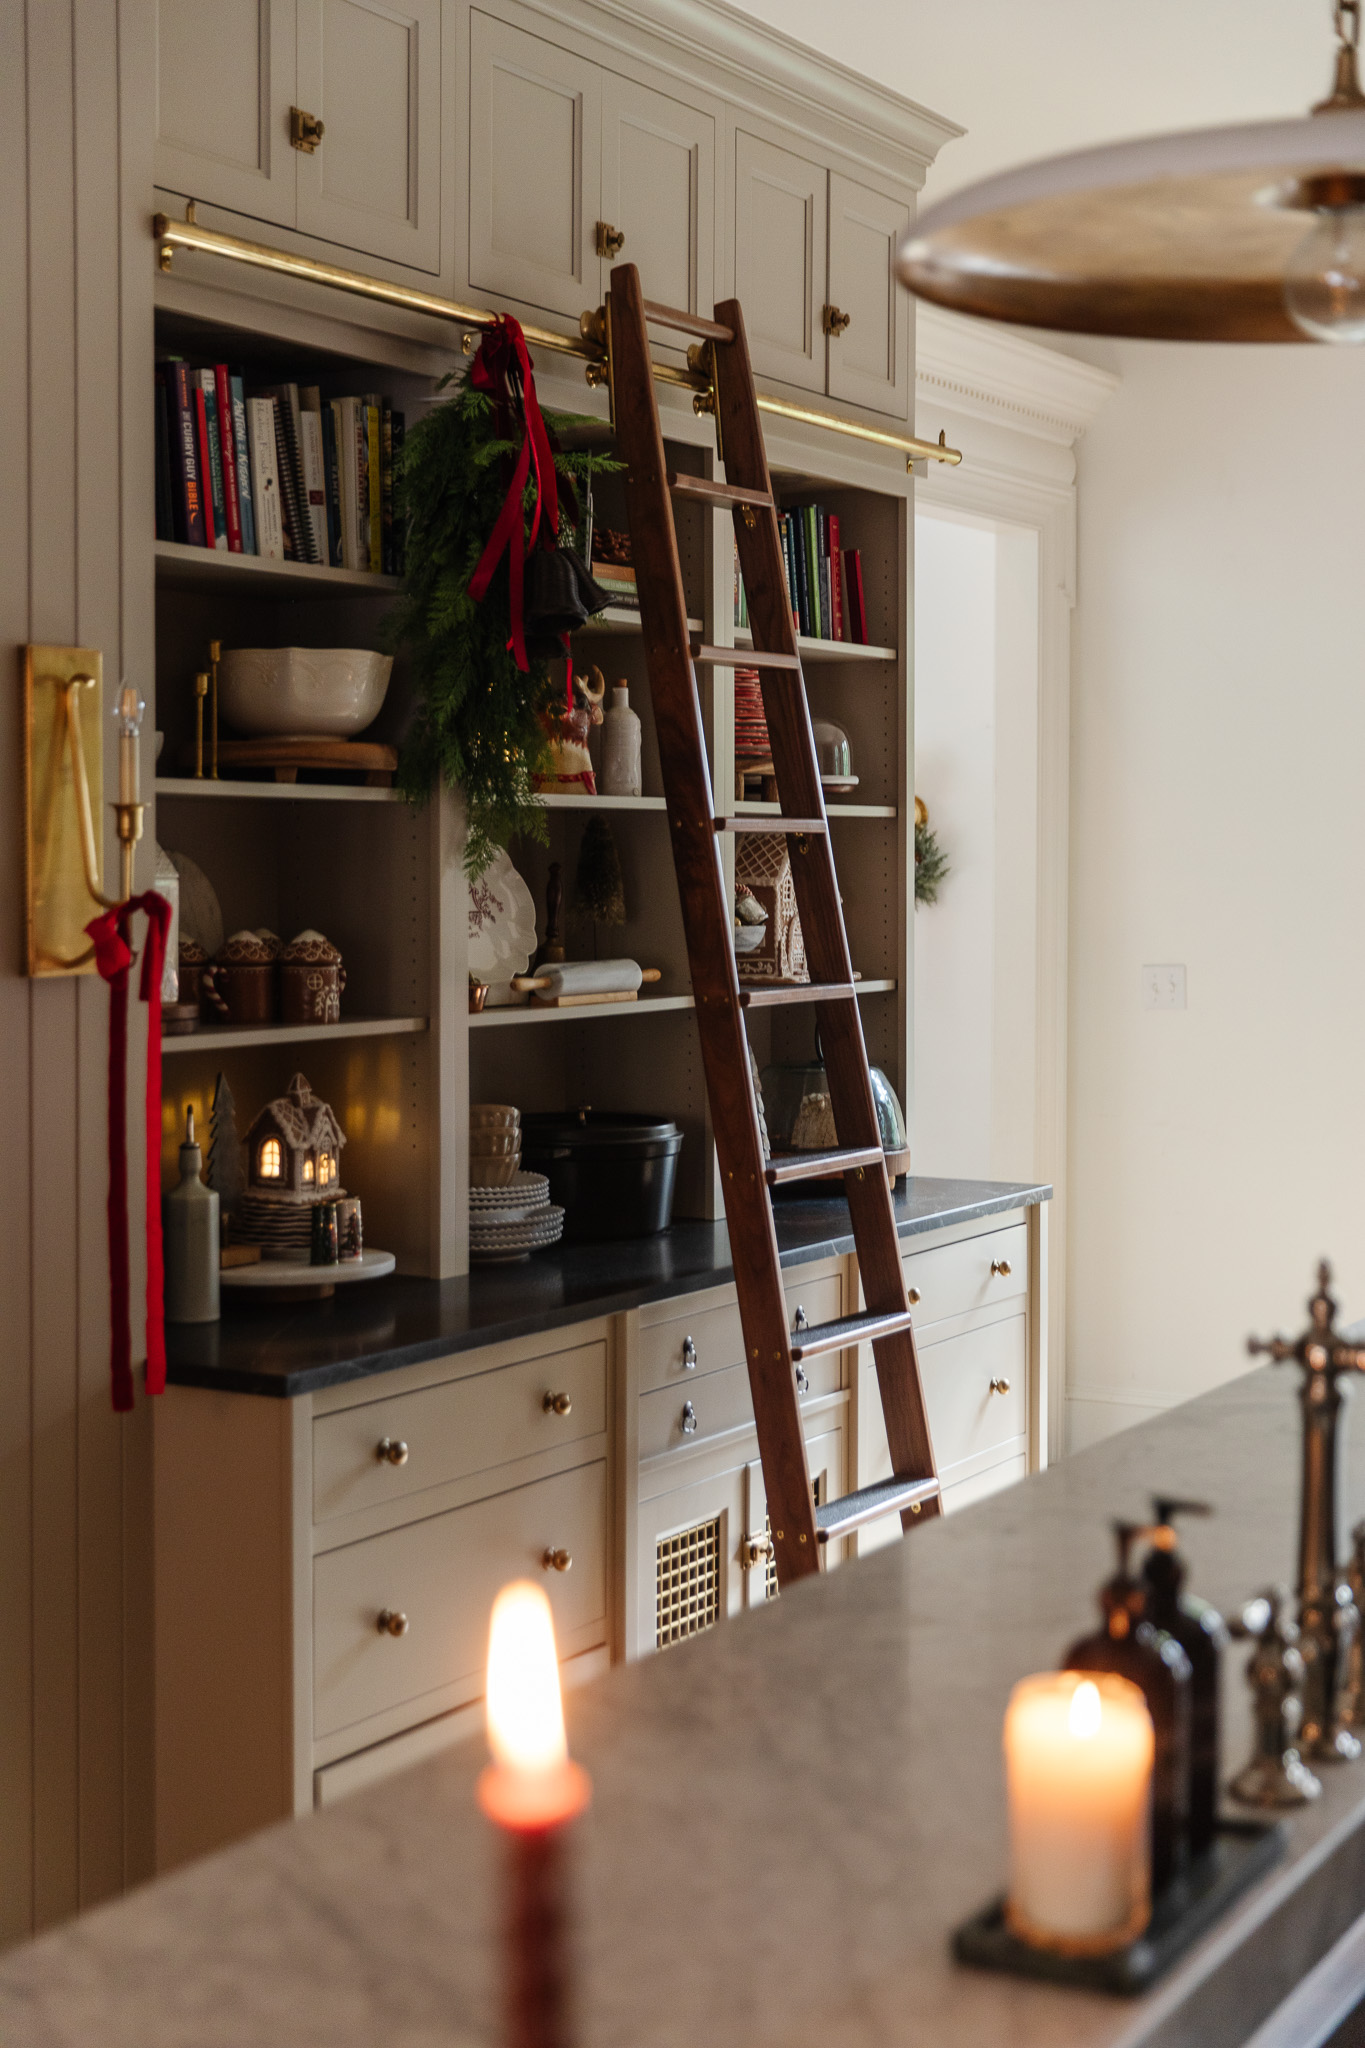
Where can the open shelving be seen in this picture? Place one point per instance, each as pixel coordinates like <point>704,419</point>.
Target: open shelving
<point>235,1037</point>
<point>217,569</point>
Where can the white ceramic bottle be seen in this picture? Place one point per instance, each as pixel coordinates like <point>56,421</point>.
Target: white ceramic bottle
<point>189,1223</point>
<point>621,747</point>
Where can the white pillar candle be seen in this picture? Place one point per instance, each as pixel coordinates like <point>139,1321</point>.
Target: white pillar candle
<point>1078,1763</point>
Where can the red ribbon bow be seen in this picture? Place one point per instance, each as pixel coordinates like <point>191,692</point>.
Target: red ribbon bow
<point>503,368</point>
<point>114,957</point>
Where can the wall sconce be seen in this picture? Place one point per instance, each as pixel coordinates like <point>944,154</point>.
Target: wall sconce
<point>63,800</point>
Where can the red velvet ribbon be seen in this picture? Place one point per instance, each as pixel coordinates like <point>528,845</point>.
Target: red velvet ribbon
<point>114,957</point>
<point>503,368</point>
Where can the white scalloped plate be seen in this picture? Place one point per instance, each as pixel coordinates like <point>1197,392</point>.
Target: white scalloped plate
<point>502,930</point>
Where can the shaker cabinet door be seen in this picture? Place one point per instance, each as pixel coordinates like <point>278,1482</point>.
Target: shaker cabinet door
<point>370,70</point>
<point>658,190</point>
<point>690,1574</point>
<point>224,86</point>
<point>869,359</point>
<point>781,232</point>
<point>535,140</point>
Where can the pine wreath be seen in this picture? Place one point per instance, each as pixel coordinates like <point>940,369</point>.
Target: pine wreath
<point>477,723</point>
<point>931,863</point>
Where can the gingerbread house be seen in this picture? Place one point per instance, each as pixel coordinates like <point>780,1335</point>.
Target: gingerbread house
<point>294,1147</point>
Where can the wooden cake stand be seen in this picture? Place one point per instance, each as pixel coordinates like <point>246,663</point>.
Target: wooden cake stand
<point>336,757</point>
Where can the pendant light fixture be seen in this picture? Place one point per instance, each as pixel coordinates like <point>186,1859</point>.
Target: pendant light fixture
<point>1207,235</point>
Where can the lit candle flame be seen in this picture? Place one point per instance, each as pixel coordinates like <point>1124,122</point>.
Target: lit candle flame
<point>525,1712</point>
<point>1086,1711</point>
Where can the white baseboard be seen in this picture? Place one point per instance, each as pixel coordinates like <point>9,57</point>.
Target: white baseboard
<point>1091,1415</point>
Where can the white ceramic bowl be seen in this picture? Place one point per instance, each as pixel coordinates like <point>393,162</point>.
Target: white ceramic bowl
<point>302,692</point>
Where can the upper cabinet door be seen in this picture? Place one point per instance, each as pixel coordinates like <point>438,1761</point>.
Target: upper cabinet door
<point>781,229</point>
<point>225,83</point>
<point>869,357</point>
<point>370,71</point>
<point>658,190</point>
<point>535,141</point>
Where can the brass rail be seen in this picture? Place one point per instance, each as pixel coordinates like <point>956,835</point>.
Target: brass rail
<point>171,235</point>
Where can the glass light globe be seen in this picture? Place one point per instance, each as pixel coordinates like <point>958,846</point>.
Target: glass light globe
<point>1324,285</point>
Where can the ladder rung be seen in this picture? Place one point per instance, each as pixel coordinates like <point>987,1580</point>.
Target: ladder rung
<point>725,497</point>
<point>836,1518</point>
<point>685,323</point>
<point>817,1165</point>
<point>743,657</point>
<point>748,823</point>
<point>848,1330</point>
<point>765,998</point>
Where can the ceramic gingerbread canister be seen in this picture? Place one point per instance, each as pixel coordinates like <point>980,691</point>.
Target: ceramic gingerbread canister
<point>311,980</point>
<point>239,984</point>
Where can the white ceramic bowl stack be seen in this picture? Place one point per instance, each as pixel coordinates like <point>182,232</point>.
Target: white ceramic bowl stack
<point>511,1222</point>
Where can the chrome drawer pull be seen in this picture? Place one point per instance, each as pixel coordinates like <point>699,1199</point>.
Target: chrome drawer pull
<point>913,1296</point>
<point>689,1354</point>
<point>802,1383</point>
<point>557,1404</point>
<point>557,1561</point>
<point>391,1450</point>
<point>1002,1267</point>
<point>689,1419</point>
<point>391,1624</point>
<point>1000,1386</point>
<point>800,1323</point>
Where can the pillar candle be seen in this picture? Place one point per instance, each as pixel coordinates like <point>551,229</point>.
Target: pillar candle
<point>1078,1762</point>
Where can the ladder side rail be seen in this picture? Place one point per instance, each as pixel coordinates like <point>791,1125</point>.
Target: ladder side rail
<point>707,917</point>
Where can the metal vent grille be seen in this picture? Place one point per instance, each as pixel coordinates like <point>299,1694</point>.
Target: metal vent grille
<point>687,1581</point>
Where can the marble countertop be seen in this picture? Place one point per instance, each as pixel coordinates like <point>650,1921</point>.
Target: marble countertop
<point>790,1815</point>
<point>282,1351</point>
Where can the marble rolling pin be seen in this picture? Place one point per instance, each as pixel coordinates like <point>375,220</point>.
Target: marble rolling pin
<point>586,981</point>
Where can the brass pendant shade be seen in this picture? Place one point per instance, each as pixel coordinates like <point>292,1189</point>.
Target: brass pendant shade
<point>1186,237</point>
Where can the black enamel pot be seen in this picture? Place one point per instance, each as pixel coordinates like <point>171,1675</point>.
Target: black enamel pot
<point>612,1171</point>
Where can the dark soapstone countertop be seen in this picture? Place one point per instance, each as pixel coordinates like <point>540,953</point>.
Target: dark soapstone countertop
<point>790,1815</point>
<point>283,1350</point>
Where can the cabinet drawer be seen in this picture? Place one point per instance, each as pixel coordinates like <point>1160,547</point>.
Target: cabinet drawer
<point>716,1337</point>
<point>954,1278</point>
<point>718,1401</point>
<point>443,1574</point>
<point>968,1491</point>
<point>967,1415</point>
<point>460,1427</point>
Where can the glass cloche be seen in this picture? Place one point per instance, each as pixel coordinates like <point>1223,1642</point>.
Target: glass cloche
<point>799,1115</point>
<point>834,754</point>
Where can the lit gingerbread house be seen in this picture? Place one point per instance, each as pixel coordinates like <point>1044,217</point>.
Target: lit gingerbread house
<point>293,1159</point>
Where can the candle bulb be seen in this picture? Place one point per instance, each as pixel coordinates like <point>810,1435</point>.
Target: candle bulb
<point>1078,1761</point>
<point>129,712</point>
<point>532,1790</point>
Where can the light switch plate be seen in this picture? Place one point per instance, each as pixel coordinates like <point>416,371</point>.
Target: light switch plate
<point>1163,987</point>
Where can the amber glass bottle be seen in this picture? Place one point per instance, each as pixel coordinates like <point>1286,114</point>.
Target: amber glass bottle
<point>1199,1630</point>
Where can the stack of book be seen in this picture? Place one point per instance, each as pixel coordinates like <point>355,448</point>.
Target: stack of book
<point>613,567</point>
<point>751,727</point>
<point>824,581</point>
<point>276,470</point>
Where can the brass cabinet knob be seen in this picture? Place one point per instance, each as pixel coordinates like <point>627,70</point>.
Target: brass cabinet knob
<point>689,1354</point>
<point>689,1419</point>
<point>913,1296</point>
<point>391,1450</point>
<point>557,1561</point>
<point>610,241</point>
<point>1002,1267</point>
<point>557,1404</point>
<point>391,1623</point>
<point>755,1550</point>
<point>1000,1386</point>
<point>305,130</point>
<point>834,322</point>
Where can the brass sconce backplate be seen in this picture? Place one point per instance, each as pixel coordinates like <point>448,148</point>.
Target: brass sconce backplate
<point>63,803</point>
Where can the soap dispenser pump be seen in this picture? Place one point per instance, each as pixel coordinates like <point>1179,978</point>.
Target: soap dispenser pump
<point>1129,1645</point>
<point>1199,1630</point>
<point>189,1223</point>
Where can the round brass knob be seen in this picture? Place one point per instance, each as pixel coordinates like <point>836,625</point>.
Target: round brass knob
<point>1000,1386</point>
<point>1002,1267</point>
<point>392,1624</point>
<point>913,1296</point>
<point>391,1450</point>
<point>557,1404</point>
<point>557,1561</point>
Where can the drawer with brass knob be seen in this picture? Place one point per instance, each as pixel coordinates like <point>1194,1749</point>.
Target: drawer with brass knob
<point>400,1620</point>
<point>384,1452</point>
<point>975,1385</point>
<point>975,1272</point>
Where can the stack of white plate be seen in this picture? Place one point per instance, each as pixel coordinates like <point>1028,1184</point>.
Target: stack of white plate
<point>512,1222</point>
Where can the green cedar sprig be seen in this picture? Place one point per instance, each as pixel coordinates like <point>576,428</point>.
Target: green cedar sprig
<point>931,864</point>
<point>477,721</point>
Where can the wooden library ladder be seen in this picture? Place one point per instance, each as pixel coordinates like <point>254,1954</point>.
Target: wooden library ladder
<point>799,1526</point>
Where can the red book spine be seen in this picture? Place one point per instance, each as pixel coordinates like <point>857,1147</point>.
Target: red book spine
<point>836,580</point>
<point>857,608</point>
<point>201,435</point>
<point>228,451</point>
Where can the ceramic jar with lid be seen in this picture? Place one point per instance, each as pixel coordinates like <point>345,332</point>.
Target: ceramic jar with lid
<point>239,984</point>
<point>311,980</point>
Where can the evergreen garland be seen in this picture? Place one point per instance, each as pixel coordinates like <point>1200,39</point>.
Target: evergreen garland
<point>477,722</point>
<point>931,864</point>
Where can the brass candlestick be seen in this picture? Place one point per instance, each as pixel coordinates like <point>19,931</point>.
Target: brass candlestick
<point>1329,1621</point>
<point>215,656</point>
<point>201,690</point>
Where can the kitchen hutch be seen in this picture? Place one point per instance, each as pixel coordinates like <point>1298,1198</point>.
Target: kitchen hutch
<point>503,156</point>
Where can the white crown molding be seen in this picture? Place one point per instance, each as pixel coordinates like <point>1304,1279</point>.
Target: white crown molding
<point>991,372</point>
